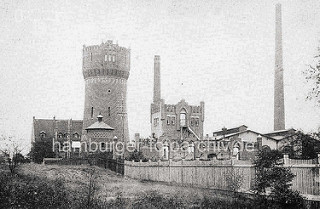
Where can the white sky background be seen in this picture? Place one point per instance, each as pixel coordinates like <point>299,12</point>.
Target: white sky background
<point>220,52</point>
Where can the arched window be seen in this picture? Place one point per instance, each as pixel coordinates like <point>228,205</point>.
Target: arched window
<point>183,118</point>
<point>60,135</point>
<point>102,146</point>
<point>197,122</point>
<point>76,135</point>
<point>191,147</point>
<point>192,121</point>
<point>173,120</point>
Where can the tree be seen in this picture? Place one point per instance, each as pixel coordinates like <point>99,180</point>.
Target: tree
<point>312,75</point>
<point>302,146</point>
<point>136,156</point>
<point>270,174</point>
<point>41,150</point>
<point>11,149</point>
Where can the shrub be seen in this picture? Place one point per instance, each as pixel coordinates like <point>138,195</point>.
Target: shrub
<point>271,174</point>
<point>137,156</point>
<point>22,191</point>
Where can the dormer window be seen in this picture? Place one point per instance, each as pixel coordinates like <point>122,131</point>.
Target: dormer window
<point>42,134</point>
<point>76,135</point>
<point>60,135</point>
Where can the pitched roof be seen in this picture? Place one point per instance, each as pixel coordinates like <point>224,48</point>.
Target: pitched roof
<point>281,131</point>
<point>230,130</point>
<point>99,125</point>
<point>48,127</point>
<point>282,134</point>
<point>241,132</point>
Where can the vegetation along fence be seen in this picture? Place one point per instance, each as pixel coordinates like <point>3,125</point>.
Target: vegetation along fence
<point>226,175</point>
<point>234,175</point>
<point>204,174</point>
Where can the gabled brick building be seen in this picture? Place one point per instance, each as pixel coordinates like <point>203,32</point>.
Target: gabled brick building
<point>49,131</point>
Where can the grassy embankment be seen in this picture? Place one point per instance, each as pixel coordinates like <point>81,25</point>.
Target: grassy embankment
<point>54,186</point>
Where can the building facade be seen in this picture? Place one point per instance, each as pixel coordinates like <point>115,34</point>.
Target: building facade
<point>179,121</point>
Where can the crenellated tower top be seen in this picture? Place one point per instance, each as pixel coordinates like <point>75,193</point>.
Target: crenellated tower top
<point>106,59</point>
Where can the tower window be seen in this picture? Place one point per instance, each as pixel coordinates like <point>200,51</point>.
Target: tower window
<point>91,56</point>
<point>109,111</point>
<point>109,58</point>
<point>156,121</point>
<point>192,122</point>
<point>91,112</point>
<point>105,57</point>
<point>113,58</point>
<point>173,120</point>
<point>197,121</point>
<point>168,120</point>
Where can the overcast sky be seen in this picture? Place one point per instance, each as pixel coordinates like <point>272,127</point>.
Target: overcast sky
<point>219,52</point>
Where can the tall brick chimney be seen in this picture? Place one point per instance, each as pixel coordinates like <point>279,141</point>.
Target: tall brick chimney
<point>279,115</point>
<point>157,86</point>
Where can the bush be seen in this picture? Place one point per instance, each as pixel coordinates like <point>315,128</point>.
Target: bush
<point>270,174</point>
<point>137,156</point>
<point>22,191</point>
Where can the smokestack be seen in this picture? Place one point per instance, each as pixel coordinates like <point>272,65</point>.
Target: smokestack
<point>157,86</point>
<point>279,118</point>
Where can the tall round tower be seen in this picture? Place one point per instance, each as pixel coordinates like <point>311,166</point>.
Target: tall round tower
<point>106,70</point>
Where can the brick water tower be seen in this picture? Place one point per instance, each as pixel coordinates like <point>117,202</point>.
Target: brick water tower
<point>106,70</point>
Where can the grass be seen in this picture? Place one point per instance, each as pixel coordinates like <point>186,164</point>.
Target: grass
<point>108,183</point>
<point>108,190</point>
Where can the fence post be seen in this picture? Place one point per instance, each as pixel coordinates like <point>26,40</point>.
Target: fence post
<point>286,159</point>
